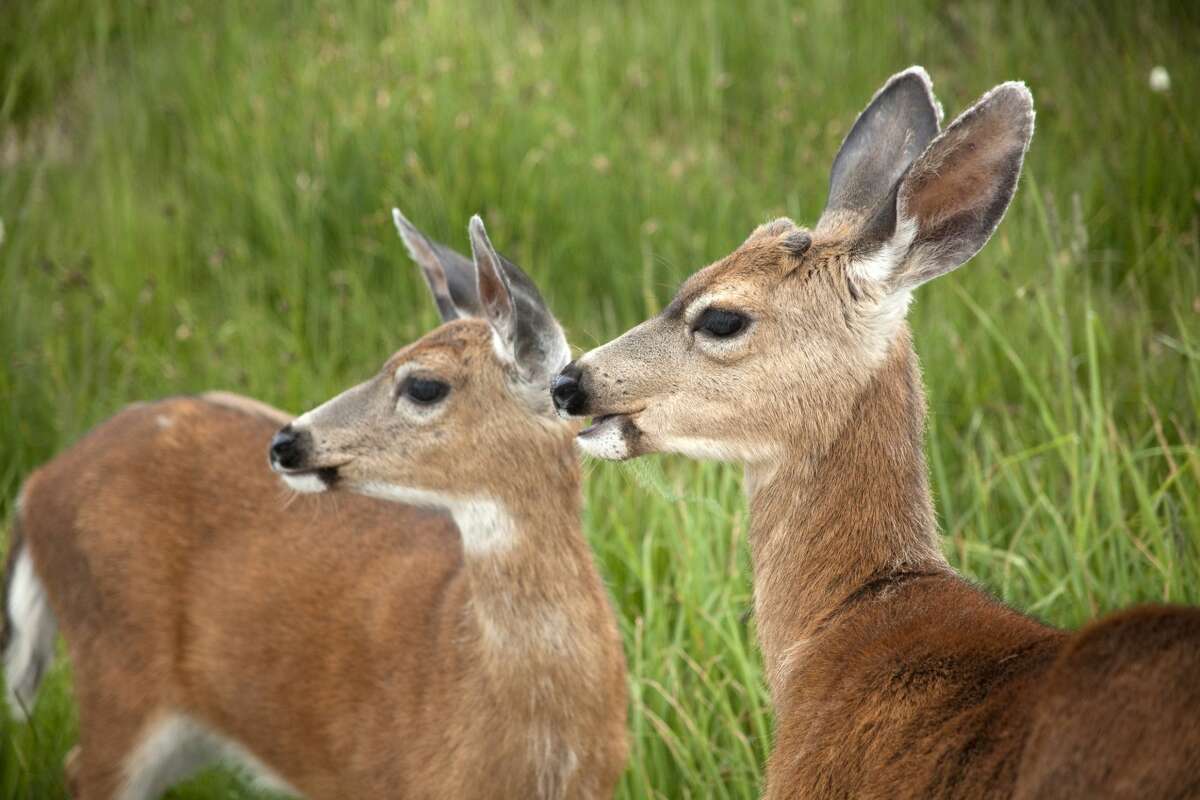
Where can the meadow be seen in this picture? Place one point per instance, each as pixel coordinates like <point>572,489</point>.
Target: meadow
<point>195,195</point>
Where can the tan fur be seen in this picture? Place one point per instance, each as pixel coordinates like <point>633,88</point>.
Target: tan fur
<point>554,673</point>
<point>891,676</point>
<point>336,638</point>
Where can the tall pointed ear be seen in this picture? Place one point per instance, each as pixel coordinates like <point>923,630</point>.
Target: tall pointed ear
<point>494,293</point>
<point>952,198</point>
<point>896,126</point>
<point>526,330</point>
<point>450,276</point>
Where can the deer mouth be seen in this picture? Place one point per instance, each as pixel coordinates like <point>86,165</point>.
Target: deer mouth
<point>311,480</point>
<point>612,437</point>
<point>601,420</point>
<point>597,424</point>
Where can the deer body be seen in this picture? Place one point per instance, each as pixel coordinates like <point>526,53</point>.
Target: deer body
<point>890,675</point>
<point>341,647</point>
<point>928,686</point>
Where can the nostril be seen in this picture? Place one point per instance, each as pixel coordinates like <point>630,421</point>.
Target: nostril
<point>564,388</point>
<point>285,450</point>
<point>567,391</point>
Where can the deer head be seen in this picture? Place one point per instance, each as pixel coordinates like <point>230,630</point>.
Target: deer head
<point>452,418</point>
<point>770,346</point>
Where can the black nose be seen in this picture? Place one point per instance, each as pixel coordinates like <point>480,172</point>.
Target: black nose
<point>287,448</point>
<point>567,390</point>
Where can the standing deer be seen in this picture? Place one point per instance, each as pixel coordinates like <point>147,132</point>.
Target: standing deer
<point>343,647</point>
<point>891,676</point>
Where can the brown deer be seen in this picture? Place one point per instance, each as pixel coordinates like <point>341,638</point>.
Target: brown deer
<point>344,646</point>
<point>891,676</point>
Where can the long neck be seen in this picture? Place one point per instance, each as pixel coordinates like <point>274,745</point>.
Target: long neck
<point>823,524</point>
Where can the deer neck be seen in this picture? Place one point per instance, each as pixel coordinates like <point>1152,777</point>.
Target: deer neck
<point>827,520</point>
<point>531,576</point>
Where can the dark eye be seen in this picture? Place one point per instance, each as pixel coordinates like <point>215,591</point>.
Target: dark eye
<point>721,324</point>
<point>425,391</point>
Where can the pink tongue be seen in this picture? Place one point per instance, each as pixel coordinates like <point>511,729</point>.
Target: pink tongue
<point>596,423</point>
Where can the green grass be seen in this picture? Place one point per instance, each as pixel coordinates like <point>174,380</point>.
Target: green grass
<point>195,196</point>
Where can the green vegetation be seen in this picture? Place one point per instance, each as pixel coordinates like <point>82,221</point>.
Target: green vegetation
<point>195,196</point>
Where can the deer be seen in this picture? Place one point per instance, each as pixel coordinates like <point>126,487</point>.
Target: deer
<point>436,627</point>
<point>890,675</point>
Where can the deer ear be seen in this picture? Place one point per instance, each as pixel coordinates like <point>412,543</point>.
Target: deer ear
<point>494,294</point>
<point>894,129</point>
<point>526,330</point>
<point>450,276</point>
<point>950,201</point>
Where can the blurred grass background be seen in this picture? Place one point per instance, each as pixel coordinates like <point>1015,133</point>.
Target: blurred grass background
<point>195,195</point>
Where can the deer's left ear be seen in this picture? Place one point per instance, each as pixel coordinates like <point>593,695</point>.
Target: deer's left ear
<point>525,330</point>
<point>949,202</point>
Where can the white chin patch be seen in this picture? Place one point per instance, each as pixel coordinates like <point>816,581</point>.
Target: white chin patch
<point>605,439</point>
<point>305,483</point>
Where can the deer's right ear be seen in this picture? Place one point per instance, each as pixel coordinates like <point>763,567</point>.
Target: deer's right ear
<point>450,276</point>
<point>896,127</point>
<point>524,328</point>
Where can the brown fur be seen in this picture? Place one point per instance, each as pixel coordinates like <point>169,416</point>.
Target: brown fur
<point>331,636</point>
<point>540,613</point>
<point>891,676</point>
<point>248,405</point>
<point>929,687</point>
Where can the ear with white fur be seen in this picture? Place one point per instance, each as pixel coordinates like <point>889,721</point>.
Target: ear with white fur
<point>895,127</point>
<point>950,201</point>
<point>450,276</point>
<point>526,330</point>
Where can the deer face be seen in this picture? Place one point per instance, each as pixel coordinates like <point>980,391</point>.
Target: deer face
<point>770,331</point>
<point>451,418</point>
<point>771,346</point>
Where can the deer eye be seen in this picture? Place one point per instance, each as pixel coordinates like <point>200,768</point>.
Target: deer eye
<point>426,391</point>
<point>720,323</point>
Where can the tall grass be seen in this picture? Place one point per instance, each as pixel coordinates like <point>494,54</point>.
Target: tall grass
<point>194,196</point>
